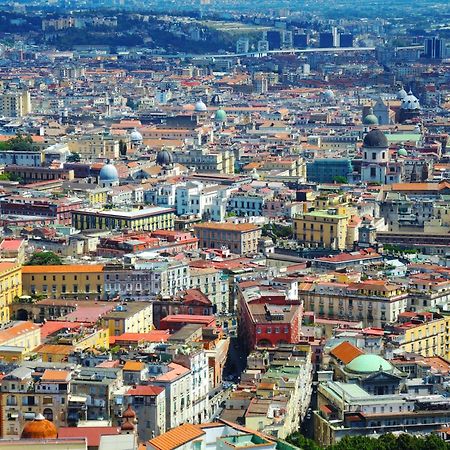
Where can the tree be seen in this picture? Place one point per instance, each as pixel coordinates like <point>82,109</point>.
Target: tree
<point>44,258</point>
<point>74,157</point>
<point>340,179</point>
<point>21,143</point>
<point>302,442</point>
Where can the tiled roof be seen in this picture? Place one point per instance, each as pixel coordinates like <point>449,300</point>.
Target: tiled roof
<point>66,268</point>
<point>92,434</point>
<point>176,437</point>
<point>16,330</point>
<point>55,375</point>
<point>134,366</point>
<point>146,390</point>
<point>346,352</point>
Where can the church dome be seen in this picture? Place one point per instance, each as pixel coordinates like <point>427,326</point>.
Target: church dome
<point>410,102</point>
<point>135,136</point>
<point>401,94</point>
<point>375,138</point>
<point>370,119</point>
<point>129,413</point>
<point>328,95</point>
<point>221,115</point>
<point>402,152</point>
<point>108,173</point>
<point>366,364</point>
<point>164,158</point>
<point>200,107</point>
<point>39,428</point>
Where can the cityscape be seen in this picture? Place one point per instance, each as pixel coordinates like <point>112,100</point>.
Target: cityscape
<point>224,225</point>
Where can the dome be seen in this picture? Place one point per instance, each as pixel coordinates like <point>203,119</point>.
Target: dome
<point>164,158</point>
<point>39,428</point>
<point>410,102</point>
<point>368,364</point>
<point>108,173</point>
<point>401,94</point>
<point>129,413</point>
<point>402,152</point>
<point>136,136</point>
<point>328,95</point>
<point>221,115</point>
<point>375,138</point>
<point>127,426</point>
<point>200,107</point>
<point>370,119</point>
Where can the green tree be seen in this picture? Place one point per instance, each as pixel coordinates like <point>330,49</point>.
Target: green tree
<point>74,157</point>
<point>21,143</point>
<point>44,258</point>
<point>302,442</point>
<point>340,179</point>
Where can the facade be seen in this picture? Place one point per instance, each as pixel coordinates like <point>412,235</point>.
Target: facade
<point>15,104</point>
<point>239,238</point>
<point>328,170</point>
<point>204,160</point>
<point>322,228</point>
<point>64,281</point>
<point>374,302</point>
<point>93,146</point>
<point>149,403</point>
<point>11,288</point>
<point>131,317</point>
<point>146,219</point>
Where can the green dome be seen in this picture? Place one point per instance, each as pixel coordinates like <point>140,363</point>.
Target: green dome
<point>402,152</point>
<point>221,115</point>
<point>370,119</point>
<point>368,364</point>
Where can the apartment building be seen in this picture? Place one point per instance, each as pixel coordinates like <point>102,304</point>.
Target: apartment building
<point>15,104</point>
<point>10,288</point>
<point>132,317</point>
<point>374,302</point>
<point>77,282</point>
<point>93,146</point>
<point>240,238</point>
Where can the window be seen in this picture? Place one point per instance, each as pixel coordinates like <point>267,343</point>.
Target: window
<point>374,155</point>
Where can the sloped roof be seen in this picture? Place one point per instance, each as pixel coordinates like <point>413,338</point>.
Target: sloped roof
<point>346,352</point>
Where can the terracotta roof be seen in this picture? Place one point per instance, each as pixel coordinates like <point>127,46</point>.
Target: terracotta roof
<point>66,268</point>
<point>55,375</point>
<point>145,390</point>
<point>176,437</point>
<point>92,434</point>
<point>16,330</point>
<point>134,366</point>
<point>346,352</point>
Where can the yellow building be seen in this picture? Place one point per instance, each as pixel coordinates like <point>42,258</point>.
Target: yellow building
<point>64,281</point>
<point>322,228</point>
<point>10,288</point>
<point>18,340</point>
<point>134,317</point>
<point>94,146</point>
<point>426,336</point>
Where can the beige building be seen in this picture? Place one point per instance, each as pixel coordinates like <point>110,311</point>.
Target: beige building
<point>95,146</point>
<point>205,160</point>
<point>15,104</point>
<point>240,238</point>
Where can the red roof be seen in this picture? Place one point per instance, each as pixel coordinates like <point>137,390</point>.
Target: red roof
<point>145,390</point>
<point>181,318</point>
<point>92,434</point>
<point>345,352</point>
<point>52,327</point>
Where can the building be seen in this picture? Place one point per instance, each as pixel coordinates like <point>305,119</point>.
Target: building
<point>322,228</point>
<point>149,402</point>
<point>68,281</point>
<point>11,283</point>
<point>328,170</point>
<point>205,160</point>
<point>145,219</point>
<point>93,146</point>
<point>131,317</point>
<point>15,104</point>
<point>374,302</point>
<point>377,166</point>
<point>240,238</point>
<point>434,48</point>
